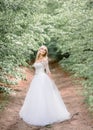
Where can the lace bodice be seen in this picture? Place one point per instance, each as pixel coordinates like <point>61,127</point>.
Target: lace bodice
<point>41,67</point>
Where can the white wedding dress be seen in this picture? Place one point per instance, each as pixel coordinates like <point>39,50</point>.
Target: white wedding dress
<point>43,104</point>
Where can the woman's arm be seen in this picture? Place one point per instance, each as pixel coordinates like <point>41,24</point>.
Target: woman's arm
<point>33,69</point>
<point>48,70</point>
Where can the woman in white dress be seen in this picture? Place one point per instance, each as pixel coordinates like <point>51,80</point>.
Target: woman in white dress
<point>43,104</point>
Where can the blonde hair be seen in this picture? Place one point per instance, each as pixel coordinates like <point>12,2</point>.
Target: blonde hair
<point>46,54</point>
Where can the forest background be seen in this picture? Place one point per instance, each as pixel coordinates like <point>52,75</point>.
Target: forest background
<point>64,26</point>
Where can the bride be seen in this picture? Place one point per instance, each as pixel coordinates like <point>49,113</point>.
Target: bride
<point>43,104</point>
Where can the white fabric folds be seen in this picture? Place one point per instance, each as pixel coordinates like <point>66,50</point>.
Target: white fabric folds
<point>43,104</point>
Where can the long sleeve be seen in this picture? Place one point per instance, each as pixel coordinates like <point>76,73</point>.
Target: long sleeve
<point>47,67</point>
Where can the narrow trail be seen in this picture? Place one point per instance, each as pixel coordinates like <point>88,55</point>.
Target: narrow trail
<point>71,94</point>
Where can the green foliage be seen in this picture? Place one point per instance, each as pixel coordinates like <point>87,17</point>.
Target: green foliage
<point>20,35</point>
<point>4,94</point>
<point>4,89</point>
<point>71,33</point>
<point>66,27</point>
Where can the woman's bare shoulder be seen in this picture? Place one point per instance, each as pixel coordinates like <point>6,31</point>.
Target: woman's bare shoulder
<point>45,59</point>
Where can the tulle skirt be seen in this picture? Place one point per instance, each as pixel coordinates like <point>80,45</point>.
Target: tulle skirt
<point>43,104</point>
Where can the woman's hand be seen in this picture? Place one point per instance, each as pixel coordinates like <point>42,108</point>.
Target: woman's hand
<point>50,75</point>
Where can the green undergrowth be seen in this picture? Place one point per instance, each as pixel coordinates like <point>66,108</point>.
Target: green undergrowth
<point>65,27</point>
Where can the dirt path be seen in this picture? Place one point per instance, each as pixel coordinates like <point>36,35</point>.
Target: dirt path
<point>9,118</point>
